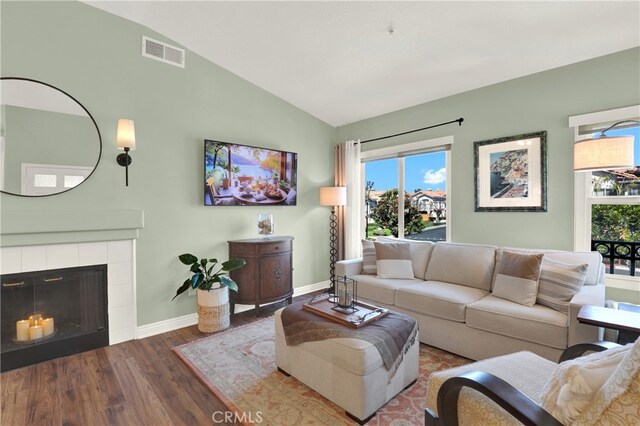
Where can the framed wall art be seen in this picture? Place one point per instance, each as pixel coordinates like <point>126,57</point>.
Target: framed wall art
<point>511,174</point>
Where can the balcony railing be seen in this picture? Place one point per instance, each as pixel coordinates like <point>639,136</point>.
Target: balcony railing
<point>620,257</point>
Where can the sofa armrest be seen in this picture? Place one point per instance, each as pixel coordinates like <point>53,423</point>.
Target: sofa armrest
<point>584,333</point>
<point>349,267</point>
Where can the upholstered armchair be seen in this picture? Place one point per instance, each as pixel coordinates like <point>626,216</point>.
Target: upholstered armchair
<point>523,388</point>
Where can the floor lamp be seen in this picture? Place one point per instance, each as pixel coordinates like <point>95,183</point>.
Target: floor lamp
<point>333,196</point>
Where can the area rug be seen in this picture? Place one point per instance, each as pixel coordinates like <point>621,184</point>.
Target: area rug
<point>238,365</point>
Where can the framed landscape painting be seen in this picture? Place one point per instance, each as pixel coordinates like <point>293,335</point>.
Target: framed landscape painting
<point>511,174</point>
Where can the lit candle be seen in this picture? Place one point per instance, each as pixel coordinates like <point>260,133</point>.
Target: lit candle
<point>22,330</point>
<point>35,332</point>
<point>34,318</point>
<point>47,326</point>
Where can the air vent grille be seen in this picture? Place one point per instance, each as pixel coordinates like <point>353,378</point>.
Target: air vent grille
<point>162,52</point>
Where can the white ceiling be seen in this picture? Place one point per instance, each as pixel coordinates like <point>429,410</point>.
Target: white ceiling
<point>337,61</point>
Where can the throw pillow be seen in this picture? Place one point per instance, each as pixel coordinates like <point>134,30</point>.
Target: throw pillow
<point>368,258</point>
<point>558,284</point>
<point>618,400</point>
<point>420,253</point>
<point>575,382</point>
<point>394,260</point>
<point>517,277</point>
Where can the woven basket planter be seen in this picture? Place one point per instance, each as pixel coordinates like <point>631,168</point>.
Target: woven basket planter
<point>213,309</point>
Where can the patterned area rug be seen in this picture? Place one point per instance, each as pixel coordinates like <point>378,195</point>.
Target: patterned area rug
<point>238,365</point>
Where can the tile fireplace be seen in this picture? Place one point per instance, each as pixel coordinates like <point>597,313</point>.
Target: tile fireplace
<point>52,313</point>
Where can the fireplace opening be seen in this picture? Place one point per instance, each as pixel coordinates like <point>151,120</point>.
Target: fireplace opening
<point>53,313</point>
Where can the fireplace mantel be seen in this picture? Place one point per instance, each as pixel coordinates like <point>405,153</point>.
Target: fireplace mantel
<point>23,228</point>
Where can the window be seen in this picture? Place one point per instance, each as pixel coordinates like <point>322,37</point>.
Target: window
<point>43,179</point>
<point>420,172</point>
<point>607,203</point>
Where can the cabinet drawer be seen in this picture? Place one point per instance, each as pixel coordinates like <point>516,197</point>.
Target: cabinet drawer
<point>275,247</point>
<point>239,250</point>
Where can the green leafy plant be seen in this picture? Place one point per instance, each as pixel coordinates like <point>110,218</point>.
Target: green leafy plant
<point>204,276</point>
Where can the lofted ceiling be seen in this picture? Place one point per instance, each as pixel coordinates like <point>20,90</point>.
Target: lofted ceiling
<point>340,62</point>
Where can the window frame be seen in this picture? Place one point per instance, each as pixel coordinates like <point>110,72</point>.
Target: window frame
<point>583,200</point>
<point>400,152</point>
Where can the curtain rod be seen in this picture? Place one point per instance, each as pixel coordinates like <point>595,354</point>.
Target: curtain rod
<point>459,121</point>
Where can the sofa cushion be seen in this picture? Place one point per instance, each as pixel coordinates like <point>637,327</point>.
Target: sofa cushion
<point>537,324</point>
<point>368,258</point>
<point>470,265</point>
<point>393,260</point>
<point>380,290</point>
<point>516,277</point>
<point>591,258</point>
<point>438,299</point>
<point>559,282</point>
<point>420,253</point>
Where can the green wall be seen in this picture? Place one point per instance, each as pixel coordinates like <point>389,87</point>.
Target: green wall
<point>95,57</point>
<point>541,101</point>
<point>45,137</point>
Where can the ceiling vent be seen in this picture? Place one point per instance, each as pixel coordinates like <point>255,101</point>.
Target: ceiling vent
<point>162,52</point>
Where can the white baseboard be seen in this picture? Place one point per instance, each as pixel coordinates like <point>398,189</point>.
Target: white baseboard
<point>160,327</point>
<point>164,326</point>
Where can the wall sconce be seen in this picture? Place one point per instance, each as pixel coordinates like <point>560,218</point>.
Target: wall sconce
<point>604,152</point>
<point>125,139</point>
<point>333,196</point>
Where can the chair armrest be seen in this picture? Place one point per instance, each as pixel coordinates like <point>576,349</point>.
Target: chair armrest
<point>349,267</point>
<point>584,333</point>
<point>502,393</point>
<point>578,350</point>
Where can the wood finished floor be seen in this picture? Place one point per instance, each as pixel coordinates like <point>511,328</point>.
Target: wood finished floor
<point>140,382</point>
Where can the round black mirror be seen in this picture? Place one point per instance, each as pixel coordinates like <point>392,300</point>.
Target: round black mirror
<point>49,142</point>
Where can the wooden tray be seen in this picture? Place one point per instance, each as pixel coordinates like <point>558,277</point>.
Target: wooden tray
<point>323,307</point>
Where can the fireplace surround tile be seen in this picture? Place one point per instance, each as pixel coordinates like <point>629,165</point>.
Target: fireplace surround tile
<point>92,253</point>
<point>120,273</point>
<point>120,295</point>
<point>62,256</point>
<point>34,258</point>
<point>11,260</point>
<point>119,251</point>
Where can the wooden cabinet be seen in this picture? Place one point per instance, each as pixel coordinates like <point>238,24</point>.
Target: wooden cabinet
<point>267,276</point>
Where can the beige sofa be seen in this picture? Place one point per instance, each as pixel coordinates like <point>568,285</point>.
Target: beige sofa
<point>450,296</point>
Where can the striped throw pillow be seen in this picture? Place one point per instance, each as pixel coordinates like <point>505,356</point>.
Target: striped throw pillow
<point>559,282</point>
<point>369,258</point>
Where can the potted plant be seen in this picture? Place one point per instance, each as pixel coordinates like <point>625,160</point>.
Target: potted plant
<point>212,286</point>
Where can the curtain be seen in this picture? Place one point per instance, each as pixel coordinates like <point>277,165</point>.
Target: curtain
<point>348,173</point>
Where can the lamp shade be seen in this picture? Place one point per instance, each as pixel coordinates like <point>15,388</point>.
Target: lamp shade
<point>333,196</point>
<point>603,153</point>
<point>126,135</point>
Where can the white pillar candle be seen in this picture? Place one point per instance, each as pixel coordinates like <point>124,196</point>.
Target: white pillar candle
<point>47,326</point>
<point>35,332</point>
<point>34,319</point>
<point>22,330</point>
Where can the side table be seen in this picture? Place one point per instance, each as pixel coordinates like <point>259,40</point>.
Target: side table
<point>624,321</point>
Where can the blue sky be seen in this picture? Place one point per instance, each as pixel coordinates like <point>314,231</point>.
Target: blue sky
<point>424,171</point>
<point>428,171</point>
